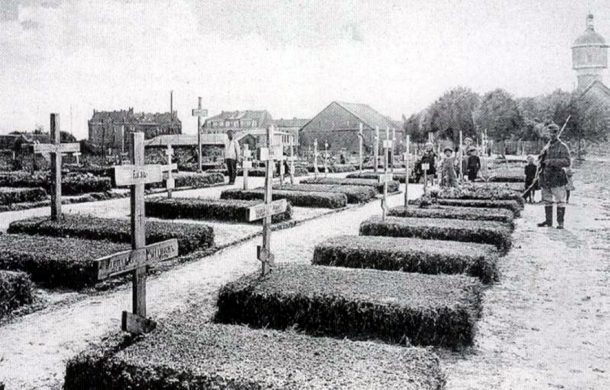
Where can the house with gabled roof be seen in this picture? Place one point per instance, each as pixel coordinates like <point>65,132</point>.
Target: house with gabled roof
<point>339,123</point>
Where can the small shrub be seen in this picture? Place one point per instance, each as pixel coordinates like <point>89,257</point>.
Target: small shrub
<point>199,208</point>
<point>409,255</point>
<point>9,195</point>
<point>483,232</point>
<point>355,194</point>
<point>15,290</point>
<point>358,304</point>
<point>296,198</point>
<point>190,236</point>
<point>392,186</point>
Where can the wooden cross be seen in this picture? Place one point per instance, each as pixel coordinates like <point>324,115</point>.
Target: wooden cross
<point>385,178</point>
<point>392,150</point>
<point>141,256</point>
<point>325,159</point>
<point>461,155</point>
<point>315,158</point>
<point>269,208</point>
<point>278,155</point>
<point>170,182</point>
<point>291,159</point>
<point>376,149</point>
<point>77,155</point>
<point>407,155</point>
<point>360,145</point>
<point>56,148</point>
<point>246,164</point>
<point>199,113</point>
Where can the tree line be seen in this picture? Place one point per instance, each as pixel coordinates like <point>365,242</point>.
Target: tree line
<point>504,117</point>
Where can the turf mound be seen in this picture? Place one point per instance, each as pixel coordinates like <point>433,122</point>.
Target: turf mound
<point>357,304</point>
<point>201,208</point>
<point>190,236</point>
<point>296,198</point>
<point>355,194</point>
<point>186,352</point>
<point>192,180</point>
<point>55,261</point>
<point>398,176</point>
<point>392,186</point>
<point>448,212</point>
<point>10,195</point>
<point>15,290</point>
<point>409,255</point>
<point>483,192</point>
<point>511,205</point>
<point>483,232</point>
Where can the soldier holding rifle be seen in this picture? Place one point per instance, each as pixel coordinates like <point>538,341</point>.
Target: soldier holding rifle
<point>552,161</point>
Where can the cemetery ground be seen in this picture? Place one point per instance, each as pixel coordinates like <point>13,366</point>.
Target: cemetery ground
<point>543,325</point>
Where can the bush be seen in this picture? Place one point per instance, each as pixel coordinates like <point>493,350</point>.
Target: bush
<point>296,198</point>
<point>340,168</point>
<point>448,212</point>
<point>190,236</point>
<point>483,232</point>
<point>192,180</point>
<point>9,195</point>
<point>399,177</point>
<point>355,194</point>
<point>469,191</point>
<point>392,186</point>
<point>15,290</point>
<point>511,205</point>
<point>187,352</point>
<point>200,208</point>
<point>358,304</point>
<point>55,261</point>
<point>409,255</point>
<point>71,183</point>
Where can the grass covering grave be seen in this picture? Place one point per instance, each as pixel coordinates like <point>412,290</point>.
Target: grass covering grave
<point>483,192</point>
<point>398,176</point>
<point>329,200</point>
<point>449,212</point>
<point>355,194</point>
<point>483,232</point>
<point>11,195</point>
<point>409,255</point>
<point>234,210</point>
<point>55,261</point>
<point>71,183</point>
<point>392,185</point>
<point>511,205</point>
<point>190,236</point>
<point>15,290</point>
<point>187,352</point>
<point>357,304</point>
<point>192,180</point>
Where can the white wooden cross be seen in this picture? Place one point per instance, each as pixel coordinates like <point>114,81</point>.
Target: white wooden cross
<point>406,157</point>
<point>291,159</point>
<point>360,145</point>
<point>269,208</point>
<point>325,159</point>
<point>376,149</point>
<point>199,113</point>
<point>246,164</point>
<point>77,155</point>
<point>56,148</point>
<point>315,158</point>
<point>141,256</point>
<point>386,177</point>
<point>392,150</point>
<point>170,182</point>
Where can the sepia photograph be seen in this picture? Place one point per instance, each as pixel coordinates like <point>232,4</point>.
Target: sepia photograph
<point>304,194</point>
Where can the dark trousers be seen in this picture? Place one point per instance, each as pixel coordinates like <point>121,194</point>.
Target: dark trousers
<point>232,168</point>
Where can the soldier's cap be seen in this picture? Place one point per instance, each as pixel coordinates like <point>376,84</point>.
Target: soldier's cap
<point>472,148</point>
<point>447,148</point>
<point>553,127</point>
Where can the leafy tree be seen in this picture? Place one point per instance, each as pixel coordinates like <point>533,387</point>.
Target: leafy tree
<point>499,114</point>
<point>412,126</point>
<point>452,112</point>
<point>64,136</point>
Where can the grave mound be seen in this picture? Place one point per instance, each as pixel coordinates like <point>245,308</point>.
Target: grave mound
<point>296,198</point>
<point>15,290</point>
<point>448,212</point>
<point>392,185</point>
<point>355,194</point>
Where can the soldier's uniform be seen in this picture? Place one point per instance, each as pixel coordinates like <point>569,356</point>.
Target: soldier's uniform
<point>553,181</point>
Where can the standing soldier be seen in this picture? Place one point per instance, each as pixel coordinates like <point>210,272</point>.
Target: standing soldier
<point>232,155</point>
<point>553,180</point>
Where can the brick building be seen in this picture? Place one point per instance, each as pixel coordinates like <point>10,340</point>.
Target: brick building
<point>291,126</point>
<point>338,125</point>
<point>111,129</point>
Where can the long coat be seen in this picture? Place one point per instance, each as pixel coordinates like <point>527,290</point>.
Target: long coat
<point>448,175</point>
<point>556,157</point>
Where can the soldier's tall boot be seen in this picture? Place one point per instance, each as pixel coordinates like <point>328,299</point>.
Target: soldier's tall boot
<point>548,212</point>
<point>561,212</point>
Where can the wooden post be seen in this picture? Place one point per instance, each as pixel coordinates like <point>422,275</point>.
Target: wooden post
<point>325,159</point>
<point>385,177</point>
<point>315,158</point>
<point>246,164</point>
<point>77,155</point>
<point>461,159</point>
<point>376,148</point>
<point>170,182</point>
<point>360,145</point>
<point>392,150</point>
<point>141,256</point>
<point>407,157</point>
<point>199,113</point>
<point>292,160</point>
<point>56,148</point>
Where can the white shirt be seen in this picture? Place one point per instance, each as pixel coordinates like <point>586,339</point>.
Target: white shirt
<point>232,150</point>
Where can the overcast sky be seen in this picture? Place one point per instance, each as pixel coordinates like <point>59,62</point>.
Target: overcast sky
<point>290,57</point>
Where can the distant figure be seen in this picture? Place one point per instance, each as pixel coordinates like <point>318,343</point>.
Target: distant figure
<point>474,163</point>
<point>530,174</point>
<point>429,158</point>
<point>448,175</point>
<point>570,185</point>
<point>232,154</point>
<point>553,180</point>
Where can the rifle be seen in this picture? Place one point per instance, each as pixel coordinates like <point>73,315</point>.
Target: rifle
<point>541,158</point>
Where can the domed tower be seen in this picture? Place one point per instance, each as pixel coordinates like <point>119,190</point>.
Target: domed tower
<point>589,55</point>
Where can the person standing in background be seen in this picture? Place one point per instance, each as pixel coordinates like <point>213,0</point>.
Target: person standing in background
<point>448,175</point>
<point>530,175</point>
<point>473,164</point>
<point>232,155</point>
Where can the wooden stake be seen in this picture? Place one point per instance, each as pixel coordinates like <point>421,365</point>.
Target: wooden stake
<point>246,164</point>
<point>325,159</point>
<point>199,113</point>
<point>407,157</point>
<point>291,160</point>
<point>376,149</point>
<point>315,158</point>
<point>170,182</point>
<point>461,159</point>
<point>360,145</point>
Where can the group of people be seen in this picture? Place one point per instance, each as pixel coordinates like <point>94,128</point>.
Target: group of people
<point>449,165</point>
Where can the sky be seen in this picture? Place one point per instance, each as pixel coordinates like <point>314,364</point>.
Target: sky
<point>291,58</point>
